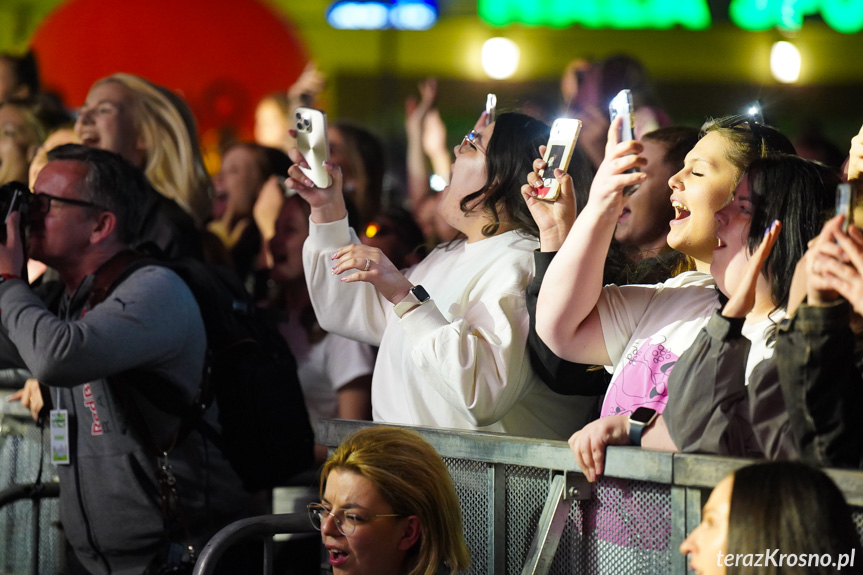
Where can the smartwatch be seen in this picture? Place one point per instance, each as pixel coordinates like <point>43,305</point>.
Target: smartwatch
<point>641,419</point>
<point>416,297</point>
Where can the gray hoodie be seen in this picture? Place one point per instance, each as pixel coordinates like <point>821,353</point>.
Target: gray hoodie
<point>110,500</point>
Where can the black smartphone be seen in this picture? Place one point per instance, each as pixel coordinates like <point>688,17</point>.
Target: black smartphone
<point>13,199</point>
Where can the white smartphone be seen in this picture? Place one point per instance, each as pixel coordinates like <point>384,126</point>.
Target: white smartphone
<point>312,141</point>
<point>558,153</point>
<point>490,108</point>
<point>621,105</point>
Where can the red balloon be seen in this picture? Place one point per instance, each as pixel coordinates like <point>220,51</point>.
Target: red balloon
<point>222,56</point>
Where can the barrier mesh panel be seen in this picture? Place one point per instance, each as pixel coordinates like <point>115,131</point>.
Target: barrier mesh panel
<point>471,480</point>
<point>857,516</point>
<point>526,492</point>
<point>625,528</point>
<point>20,451</point>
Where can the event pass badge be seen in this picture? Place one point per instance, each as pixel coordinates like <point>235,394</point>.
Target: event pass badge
<point>59,419</point>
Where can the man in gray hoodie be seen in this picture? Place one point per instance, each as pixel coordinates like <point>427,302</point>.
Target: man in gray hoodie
<point>84,212</point>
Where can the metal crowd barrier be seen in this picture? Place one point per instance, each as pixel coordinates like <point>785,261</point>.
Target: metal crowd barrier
<point>528,510</point>
<point>30,542</point>
<point>526,507</point>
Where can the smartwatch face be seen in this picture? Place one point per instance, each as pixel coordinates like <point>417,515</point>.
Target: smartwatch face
<point>643,415</point>
<point>421,294</point>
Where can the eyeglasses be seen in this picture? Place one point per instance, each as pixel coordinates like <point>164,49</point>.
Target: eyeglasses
<point>346,521</point>
<point>42,203</point>
<point>470,141</point>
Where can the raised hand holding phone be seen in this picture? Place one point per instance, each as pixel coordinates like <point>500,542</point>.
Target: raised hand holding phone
<point>616,173</point>
<point>328,204</point>
<point>836,266</point>
<point>554,219</point>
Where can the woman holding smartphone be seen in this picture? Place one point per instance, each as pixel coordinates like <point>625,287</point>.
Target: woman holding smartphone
<point>724,393</point>
<point>452,330</point>
<point>642,330</point>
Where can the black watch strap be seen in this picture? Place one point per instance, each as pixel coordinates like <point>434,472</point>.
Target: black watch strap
<point>641,419</point>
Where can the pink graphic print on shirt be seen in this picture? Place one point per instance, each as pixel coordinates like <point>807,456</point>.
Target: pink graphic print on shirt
<point>642,381</point>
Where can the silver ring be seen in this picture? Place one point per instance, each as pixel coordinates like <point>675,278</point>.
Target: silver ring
<point>368,263</point>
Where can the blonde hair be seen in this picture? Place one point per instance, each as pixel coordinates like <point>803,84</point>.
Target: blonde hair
<point>173,163</point>
<point>412,478</point>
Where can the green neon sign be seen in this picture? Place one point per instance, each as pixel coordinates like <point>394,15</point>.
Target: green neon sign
<point>845,16</point>
<point>620,14</point>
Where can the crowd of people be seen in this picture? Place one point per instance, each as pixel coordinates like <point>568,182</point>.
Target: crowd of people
<point>722,296</point>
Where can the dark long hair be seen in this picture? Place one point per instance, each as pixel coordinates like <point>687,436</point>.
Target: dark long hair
<point>791,507</point>
<point>800,194</point>
<point>512,148</point>
<point>748,141</point>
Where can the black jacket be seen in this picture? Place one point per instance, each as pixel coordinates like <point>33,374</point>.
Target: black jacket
<point>819,361</point>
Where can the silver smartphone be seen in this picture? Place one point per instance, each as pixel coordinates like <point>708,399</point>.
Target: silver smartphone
<point>312,141</point>
<point>621,105</point>
<point>846,197</point>
<point>490,108</point>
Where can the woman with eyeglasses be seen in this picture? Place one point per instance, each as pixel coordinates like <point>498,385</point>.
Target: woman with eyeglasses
<point>388,507</point>
<point>641,330</point>
<point>452,330</point>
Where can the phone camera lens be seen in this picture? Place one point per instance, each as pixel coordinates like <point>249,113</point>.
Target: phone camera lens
<point>306,121</point>
<point>299,126</point>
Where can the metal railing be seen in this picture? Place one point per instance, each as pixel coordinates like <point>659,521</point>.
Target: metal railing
<point>29,540</point>
<point>528,510</point>
<point>262,528</point>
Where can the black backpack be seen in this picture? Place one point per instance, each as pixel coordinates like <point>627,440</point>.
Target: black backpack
<point>249,372</point>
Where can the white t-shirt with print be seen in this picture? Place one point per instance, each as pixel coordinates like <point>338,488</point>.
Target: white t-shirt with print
<point>646,328</point>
